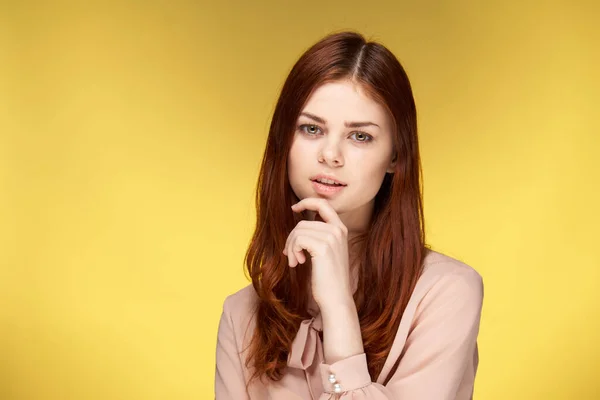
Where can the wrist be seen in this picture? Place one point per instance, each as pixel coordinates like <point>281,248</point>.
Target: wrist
<point>342,305</point>
<point>341,331</point>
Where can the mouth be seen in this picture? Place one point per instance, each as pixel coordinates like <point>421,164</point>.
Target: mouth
<point>327,181</point>
<point>327,188</point>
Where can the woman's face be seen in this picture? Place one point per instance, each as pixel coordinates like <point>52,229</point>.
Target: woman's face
<point>343,134</point>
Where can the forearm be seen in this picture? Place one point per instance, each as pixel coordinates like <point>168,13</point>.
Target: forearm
<point>341,331</point>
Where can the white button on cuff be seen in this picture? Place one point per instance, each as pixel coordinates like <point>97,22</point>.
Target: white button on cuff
<point>337,388</point>
<point>332,379</point>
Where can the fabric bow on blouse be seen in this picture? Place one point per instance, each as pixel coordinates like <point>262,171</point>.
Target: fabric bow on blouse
<point>307,346</point>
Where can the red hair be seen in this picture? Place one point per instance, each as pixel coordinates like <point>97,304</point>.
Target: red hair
<point>393,248</point>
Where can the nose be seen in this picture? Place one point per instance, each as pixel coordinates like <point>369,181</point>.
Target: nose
<point>331,154</point>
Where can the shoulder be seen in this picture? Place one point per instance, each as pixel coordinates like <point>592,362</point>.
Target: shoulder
<point>239,309</point>
<point>440,323</point>
<point>447,280</point>
<point>441,268</point>
<point>241,303</point>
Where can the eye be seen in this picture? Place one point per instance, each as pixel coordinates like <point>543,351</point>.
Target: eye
<point>309,129</point>
<point>362,137</point>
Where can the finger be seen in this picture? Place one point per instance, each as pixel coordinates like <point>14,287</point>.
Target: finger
<point>322,207</point>
<point>306,227</point>
<point>322,239</point>
<point>292,261</point>
<point>313,245</point>
<point>293,257</point>
<point>289,252</point>
<point>309,226</point>
<point>301,257</point>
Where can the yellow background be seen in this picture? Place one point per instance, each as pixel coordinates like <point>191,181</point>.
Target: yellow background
<point>131,134</point>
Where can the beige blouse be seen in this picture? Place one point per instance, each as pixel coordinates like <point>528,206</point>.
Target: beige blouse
<point>435,347</point>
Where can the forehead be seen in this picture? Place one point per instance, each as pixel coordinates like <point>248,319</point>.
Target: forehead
<point>344,101</point>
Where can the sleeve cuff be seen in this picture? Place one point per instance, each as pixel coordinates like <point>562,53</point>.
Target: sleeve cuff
<point>345,375</point>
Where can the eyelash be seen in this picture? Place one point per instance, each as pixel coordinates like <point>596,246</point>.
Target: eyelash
<point>303,127</point>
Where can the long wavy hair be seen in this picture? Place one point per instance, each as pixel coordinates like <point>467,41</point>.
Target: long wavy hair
<point>392,249</point>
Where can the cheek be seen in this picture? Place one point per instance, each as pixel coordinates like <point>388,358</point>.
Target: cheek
<point>300,153</point>
<point>293,159</point>
<point>371,168</point>
<point>296,159</point>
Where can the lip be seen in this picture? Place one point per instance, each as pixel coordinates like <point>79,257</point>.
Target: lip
<point>325,190</point>
<point>321,176</point>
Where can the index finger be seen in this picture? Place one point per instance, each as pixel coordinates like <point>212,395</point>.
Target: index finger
<point>322,207</point>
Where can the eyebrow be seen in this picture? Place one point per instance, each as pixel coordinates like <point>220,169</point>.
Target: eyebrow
<point>353,124</point>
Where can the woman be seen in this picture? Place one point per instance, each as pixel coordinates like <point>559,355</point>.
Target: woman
<point>346,300</point>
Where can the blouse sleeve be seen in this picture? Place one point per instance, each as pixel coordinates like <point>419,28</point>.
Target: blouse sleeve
<point>439,358</point>
<point>229,376</point>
